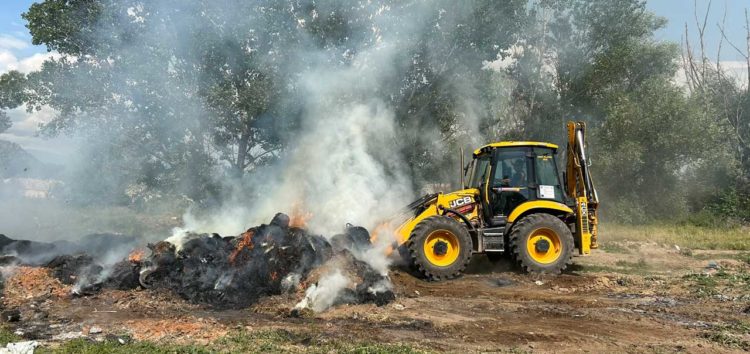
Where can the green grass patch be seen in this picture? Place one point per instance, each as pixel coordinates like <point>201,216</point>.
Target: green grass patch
<point>740,327</point>
<point>709,284</point>
<point>690,236</point>
<point>269,341</point>
<point>704,285</point>
<point>86,346</point>
<point>727,339</point>
<point>734,279</point>
<point>286,341</point>
<point>7,336</point>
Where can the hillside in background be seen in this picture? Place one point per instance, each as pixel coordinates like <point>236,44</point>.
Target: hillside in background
<point>15,162</point>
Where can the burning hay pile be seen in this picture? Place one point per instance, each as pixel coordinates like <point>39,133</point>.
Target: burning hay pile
<point>223,272</point>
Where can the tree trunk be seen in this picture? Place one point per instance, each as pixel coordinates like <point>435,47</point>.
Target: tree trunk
<point>239,166</point>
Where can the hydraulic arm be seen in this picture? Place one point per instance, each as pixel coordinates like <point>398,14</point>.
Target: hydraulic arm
<point>580,187</point>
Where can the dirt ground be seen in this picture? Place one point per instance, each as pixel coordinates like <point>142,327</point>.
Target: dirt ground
<point>628,297</point>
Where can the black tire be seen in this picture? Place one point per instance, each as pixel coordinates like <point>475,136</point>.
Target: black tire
<point>143,277</point>
<point>531,225</point>
<point>432,226</point>
<point>358,237</point>
<point>404,257</point>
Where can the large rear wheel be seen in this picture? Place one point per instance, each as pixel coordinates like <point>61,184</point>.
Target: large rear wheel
<point>440,248</point>
<point>542,243</point>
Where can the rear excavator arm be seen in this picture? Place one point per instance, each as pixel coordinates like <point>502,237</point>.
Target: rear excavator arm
<point>580,187</point>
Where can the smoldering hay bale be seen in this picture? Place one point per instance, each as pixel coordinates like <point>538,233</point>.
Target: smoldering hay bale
<point>231,272</point>
<point>70,268</point>
<point>236,271</point>
<point>124,276</point>
<point>89,277</point>
<point>344,279</point>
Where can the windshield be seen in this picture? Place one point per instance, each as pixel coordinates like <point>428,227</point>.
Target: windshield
<point>510,181</point>
<point>479,172</point>
<point>512,169</point>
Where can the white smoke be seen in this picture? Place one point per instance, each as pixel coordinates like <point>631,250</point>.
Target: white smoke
<point>343,165</point>
<point>231,219</point>
<point>334,174</point>
<point>319,297</point>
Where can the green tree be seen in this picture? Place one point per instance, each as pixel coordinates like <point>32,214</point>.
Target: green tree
<point>66,26</point>
<point>12,95</point>
<point>650,136</point>
<point>723,178</point>
<point>126,93</point>
<point>599,62</point>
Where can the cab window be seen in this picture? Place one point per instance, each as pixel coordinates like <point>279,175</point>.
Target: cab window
<point>546,175</point>
<point>481,164</point>
<point>511,170</point>
<point>510,180</point>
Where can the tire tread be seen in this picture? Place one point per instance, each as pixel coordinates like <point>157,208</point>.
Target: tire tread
<point>414,244</point>
<point>518,236</point>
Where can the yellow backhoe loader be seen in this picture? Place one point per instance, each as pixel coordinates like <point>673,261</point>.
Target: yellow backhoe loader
<point>513,202</point>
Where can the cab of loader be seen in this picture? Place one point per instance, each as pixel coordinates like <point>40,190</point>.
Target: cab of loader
<point>514,202</point>
<point>509,174</point>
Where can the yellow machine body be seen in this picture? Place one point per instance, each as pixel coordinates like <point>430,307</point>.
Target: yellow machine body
<point>465,198</point>
<point>577,210</point>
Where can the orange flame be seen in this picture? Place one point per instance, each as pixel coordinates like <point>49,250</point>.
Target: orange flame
<point>300,216</point>
<point>382,228</point>
<point>136,256</point>
<point>245,243</point>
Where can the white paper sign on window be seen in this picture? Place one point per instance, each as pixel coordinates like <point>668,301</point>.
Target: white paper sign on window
<point>547,192</point>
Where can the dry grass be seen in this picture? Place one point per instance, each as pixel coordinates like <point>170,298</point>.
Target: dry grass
<point>686,236</point>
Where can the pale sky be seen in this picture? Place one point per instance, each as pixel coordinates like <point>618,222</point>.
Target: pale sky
<point>17,52</point>
<point>730,13</point>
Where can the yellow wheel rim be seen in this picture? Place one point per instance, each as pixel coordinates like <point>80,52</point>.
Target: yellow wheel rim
<point>441,248</point>
<point>544,246</point>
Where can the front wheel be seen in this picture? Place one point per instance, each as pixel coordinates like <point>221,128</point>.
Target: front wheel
<point>440,248</point>
<point>542,243</point>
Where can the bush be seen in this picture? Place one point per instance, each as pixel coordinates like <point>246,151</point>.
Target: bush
<point>626,211</point>
<point>730,204</point>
